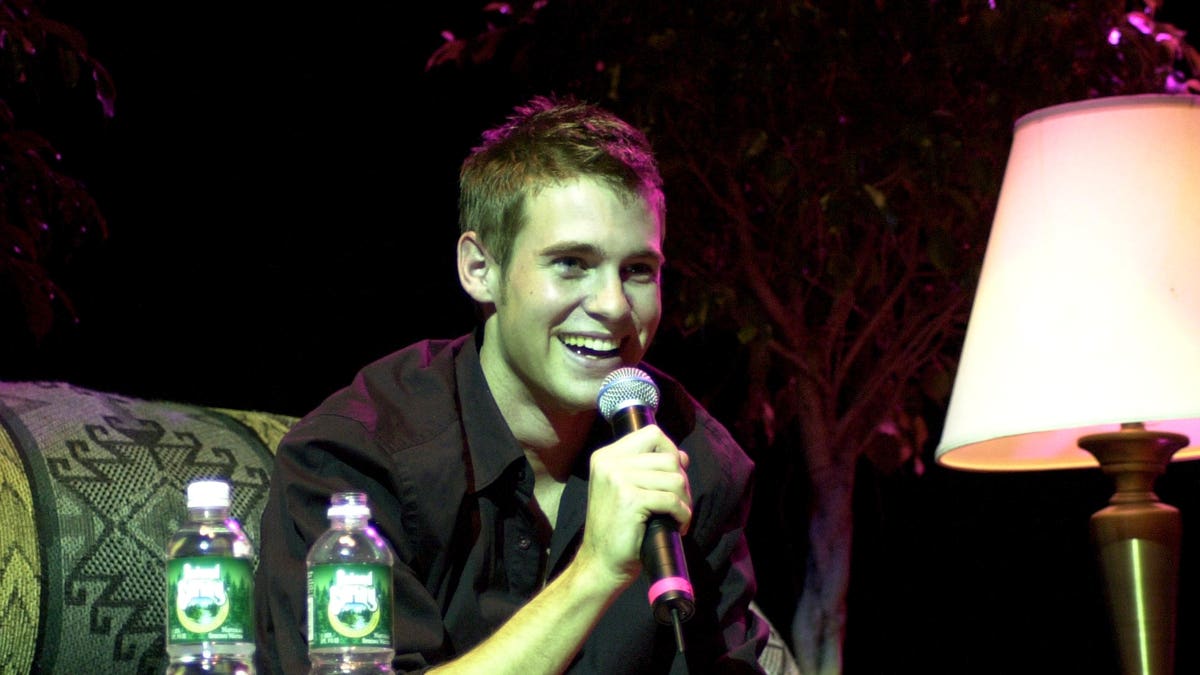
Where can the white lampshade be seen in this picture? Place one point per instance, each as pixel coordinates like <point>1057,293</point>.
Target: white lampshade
<point>1087,313</point>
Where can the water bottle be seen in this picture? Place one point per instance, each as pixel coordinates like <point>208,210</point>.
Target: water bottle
<point>350,593</point>
<point>210,615</point>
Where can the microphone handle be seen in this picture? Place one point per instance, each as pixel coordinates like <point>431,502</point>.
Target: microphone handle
<point>631,418</point>
<point>671,595</point>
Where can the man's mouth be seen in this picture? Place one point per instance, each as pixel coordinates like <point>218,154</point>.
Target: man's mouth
<point>596,348</point>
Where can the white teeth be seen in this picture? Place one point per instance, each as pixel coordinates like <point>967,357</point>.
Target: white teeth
<point>590,343</point>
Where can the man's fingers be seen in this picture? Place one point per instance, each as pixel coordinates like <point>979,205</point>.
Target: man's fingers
<point>648,439</point>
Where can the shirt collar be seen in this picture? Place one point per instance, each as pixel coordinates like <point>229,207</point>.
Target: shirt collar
<point>490,443</point>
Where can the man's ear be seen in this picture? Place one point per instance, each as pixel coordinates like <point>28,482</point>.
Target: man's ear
<point>477,270</point>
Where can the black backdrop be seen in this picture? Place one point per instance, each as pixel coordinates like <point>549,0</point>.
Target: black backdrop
<point>279,182</point>
<point>279,186</point>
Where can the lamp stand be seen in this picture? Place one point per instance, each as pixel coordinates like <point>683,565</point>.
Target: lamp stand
<point>1137,538</point>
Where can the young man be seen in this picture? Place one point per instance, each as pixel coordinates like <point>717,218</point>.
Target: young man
<point>516,519</point>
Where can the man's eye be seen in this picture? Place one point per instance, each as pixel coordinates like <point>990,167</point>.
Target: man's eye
<point>642,271</point>
<point>569,264</point>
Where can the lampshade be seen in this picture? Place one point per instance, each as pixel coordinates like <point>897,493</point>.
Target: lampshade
<point>1087,312</point>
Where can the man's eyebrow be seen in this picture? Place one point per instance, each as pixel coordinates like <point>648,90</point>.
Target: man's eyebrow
<point>585,248</point>
<point>572,247</point>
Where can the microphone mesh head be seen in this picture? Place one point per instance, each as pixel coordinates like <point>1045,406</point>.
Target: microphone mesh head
<point>625,387</point>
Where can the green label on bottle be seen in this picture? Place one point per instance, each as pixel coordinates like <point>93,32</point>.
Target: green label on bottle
<point>349,605</point>
<point>209,599</point>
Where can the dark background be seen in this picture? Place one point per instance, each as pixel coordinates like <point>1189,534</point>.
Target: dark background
<point>279,182</point>
<point>280,191</point>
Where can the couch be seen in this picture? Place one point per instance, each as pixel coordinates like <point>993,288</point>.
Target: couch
<point>91,487</point>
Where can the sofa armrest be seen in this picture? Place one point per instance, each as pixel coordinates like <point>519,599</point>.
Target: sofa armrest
<point>91,487</point>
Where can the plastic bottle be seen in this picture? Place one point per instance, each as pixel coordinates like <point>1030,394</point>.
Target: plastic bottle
<point>350,593</point>
<point>210,569</point>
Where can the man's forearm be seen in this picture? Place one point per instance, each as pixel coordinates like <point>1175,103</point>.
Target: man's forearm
<point>545,634</point>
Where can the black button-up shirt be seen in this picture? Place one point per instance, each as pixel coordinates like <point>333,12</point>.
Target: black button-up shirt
<point>450,488</point>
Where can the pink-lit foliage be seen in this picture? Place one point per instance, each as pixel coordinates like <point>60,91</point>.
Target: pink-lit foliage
<point>46,215</point>
<point>1181,62</point>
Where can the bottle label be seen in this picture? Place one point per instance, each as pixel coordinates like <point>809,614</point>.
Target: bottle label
<point>349,604</point>
<point>209,600</point>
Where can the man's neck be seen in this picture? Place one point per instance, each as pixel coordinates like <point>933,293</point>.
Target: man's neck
<point>551,442</point>
<point>552,436</point>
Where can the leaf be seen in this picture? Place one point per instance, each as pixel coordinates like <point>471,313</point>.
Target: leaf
<point>877,197</point>
<point>940,249</point>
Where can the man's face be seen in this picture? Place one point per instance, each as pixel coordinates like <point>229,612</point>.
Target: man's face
<point>579,297</point>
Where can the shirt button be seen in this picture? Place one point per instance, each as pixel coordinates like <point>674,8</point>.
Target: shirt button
<point>524,543</point>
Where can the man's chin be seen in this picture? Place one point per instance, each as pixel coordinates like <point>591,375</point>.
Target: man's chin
<point>578,386</point>
<point>579,395</point>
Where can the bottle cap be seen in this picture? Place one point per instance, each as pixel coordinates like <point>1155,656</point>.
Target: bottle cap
<point>208,494</point>
<point>348,505</point>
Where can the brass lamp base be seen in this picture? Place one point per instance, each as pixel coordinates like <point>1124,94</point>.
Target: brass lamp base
<point>1137,538</point>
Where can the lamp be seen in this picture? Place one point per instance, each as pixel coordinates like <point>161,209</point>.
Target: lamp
<point>1083,346</point>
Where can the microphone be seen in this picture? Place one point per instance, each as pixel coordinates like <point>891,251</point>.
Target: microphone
<point>628,399</point>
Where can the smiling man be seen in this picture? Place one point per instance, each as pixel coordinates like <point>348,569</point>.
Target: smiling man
<point>516,519</point>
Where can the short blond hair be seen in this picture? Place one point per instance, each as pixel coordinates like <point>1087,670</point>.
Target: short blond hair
<point>549,141</point>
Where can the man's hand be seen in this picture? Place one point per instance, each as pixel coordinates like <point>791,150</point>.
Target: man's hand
<point>640,474</point>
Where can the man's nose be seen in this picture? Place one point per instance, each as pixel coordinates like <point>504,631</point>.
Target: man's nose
<point>607,297</point>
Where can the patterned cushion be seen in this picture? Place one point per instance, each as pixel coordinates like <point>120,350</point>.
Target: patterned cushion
<point>91,487</point>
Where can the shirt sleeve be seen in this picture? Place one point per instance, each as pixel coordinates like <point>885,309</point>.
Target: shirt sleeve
<point>730,635</point>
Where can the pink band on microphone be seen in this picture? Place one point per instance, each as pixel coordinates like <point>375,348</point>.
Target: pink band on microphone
<point>669,584</point>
